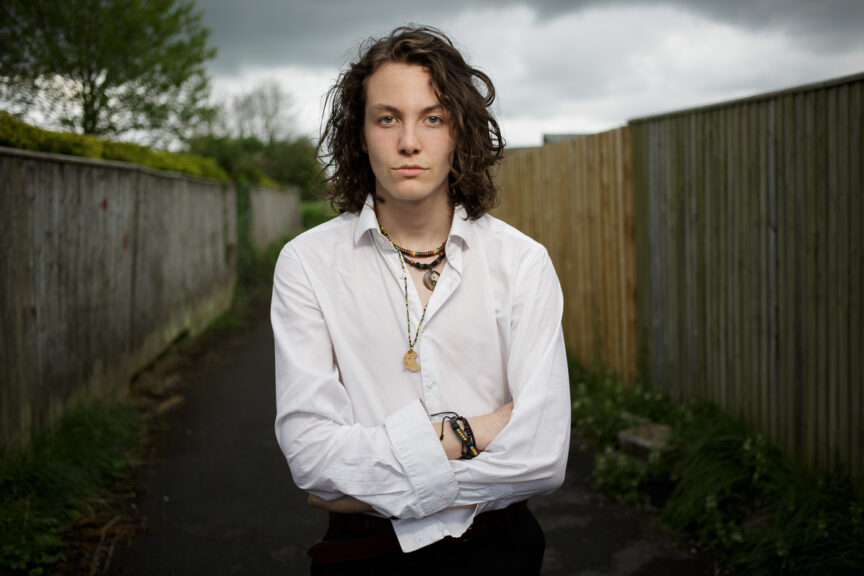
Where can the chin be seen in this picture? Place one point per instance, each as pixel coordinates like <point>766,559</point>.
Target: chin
<point>412,194</point>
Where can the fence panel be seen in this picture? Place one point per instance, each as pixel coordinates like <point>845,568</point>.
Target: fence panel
<point>576,198</point>
<point>751,252</point>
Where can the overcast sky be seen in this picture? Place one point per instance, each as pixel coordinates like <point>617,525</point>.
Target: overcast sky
<point>559,66</point>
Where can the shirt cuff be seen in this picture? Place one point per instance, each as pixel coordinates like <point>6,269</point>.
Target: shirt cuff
<point>420,453</point>
<point>415,533</point>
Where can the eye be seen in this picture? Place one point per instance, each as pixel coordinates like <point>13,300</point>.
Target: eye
<point>387,120</point>
<point>435,120</point>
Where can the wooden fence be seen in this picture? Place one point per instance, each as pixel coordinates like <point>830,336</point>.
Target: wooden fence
<point>102,265</point>
<point>576,198</point>
<point>750,263</point>
<point>747,223</point>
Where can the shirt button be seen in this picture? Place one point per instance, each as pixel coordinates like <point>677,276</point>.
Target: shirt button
<point>429,385</point>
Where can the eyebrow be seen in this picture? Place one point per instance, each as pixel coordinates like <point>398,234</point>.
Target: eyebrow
<point>394,110</point>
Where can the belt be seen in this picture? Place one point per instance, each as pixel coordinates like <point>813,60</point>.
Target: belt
<point>372,537</point>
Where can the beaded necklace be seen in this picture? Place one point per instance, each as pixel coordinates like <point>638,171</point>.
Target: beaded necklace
<point>409,360</point>
<point>430,278</point>
<point>414,253</point>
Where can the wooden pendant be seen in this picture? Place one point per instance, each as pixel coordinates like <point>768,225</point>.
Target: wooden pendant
<point>430,279</point>
<point>410,361</point>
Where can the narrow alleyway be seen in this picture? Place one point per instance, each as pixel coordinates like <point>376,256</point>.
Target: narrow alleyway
<point>218,496</point>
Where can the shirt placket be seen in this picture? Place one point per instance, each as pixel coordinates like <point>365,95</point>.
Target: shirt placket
<point>429,373</point>
<point>429,376</point>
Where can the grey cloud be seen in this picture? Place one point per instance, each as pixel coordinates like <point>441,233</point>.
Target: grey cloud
<point>323,33</point>
<point>824,23</point>
<point>272,32</point>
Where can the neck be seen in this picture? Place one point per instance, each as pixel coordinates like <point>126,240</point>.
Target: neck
<point>415,225</point>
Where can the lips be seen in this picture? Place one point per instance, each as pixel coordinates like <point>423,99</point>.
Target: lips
<point>409,171</point>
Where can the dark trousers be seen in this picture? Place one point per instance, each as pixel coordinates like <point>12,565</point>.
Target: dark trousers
<point>514,545</point>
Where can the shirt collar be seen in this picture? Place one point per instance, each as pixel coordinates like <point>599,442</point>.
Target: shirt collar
<point>367,220</point>
<point>461,227</point>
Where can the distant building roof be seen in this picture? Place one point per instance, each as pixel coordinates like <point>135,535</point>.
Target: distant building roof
<point>550,138</point>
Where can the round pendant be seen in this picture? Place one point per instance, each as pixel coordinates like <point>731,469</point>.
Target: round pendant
<point>410,361</point>
<point>430,279</point>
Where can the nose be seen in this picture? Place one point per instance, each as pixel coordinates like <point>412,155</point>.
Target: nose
<point>409,141</point>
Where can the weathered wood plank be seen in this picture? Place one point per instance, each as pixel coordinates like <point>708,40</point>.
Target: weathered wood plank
<point>770,270</point>
<point>822,250</point>
<point>786,278</point>
<point>724,246</point>
<point>856,274</point>
<point>736,268</point>
<point>840,215</point>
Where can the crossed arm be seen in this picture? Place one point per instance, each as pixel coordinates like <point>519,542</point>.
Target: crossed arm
<point>485,429</point>
<point>397,468</point>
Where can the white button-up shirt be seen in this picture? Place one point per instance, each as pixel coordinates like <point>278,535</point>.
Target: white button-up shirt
<point>351,420</point>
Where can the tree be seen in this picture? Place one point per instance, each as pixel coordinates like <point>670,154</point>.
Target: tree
<point>250,138</point>
<point>261,113</point>
<point>107,67</point>
<point>251,160</point>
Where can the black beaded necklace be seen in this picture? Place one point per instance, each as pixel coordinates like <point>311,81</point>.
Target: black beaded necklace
<point>430,278</point>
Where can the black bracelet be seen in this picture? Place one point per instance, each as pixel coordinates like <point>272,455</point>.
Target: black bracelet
<point>466,427</point>
<point>463,431</point>
<point>472,442</point>
<point>466,435</point>
<point>443,420</point>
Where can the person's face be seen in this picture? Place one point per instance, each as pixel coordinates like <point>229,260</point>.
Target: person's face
<point>406,134</point>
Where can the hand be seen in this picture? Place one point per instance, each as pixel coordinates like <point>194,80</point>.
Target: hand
<point>343,505</point>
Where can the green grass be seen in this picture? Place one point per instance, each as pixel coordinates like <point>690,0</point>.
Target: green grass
<point>45,489</point>
<point>740,496</point>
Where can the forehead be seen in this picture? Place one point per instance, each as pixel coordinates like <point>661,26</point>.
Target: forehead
<point>396,84</point>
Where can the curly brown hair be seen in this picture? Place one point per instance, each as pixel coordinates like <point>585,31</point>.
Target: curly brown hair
<point>465,92</point>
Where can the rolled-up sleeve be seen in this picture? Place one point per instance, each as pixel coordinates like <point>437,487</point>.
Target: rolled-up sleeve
<point>398,467</point>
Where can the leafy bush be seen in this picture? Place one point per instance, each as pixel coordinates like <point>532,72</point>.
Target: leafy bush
<point>163,159</point>
<point>738,494</point>
<point>251,161</point>
<point>602,406</point>
<point>314,212</point>
<point>17,134</point>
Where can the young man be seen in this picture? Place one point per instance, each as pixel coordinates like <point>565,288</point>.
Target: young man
<point>421,378</point>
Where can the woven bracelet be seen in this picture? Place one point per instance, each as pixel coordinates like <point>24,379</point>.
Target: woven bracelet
<point>463,431</point>
<point>450,416</point>
<point>466,435</point>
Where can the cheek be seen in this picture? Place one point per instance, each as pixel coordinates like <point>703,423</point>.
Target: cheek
<point>374,150</point>
<point>375,143</point>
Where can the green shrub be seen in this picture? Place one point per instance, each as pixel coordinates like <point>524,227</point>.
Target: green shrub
<point>17,134</point>
<point>602,405</point>
<point>251,161</point>
<point>315,212</point>
<point>738,494</point>
<point>163,159</point>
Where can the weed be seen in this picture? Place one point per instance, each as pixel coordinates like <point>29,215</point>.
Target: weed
<point>742,497</point>
<point>46,488</point>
